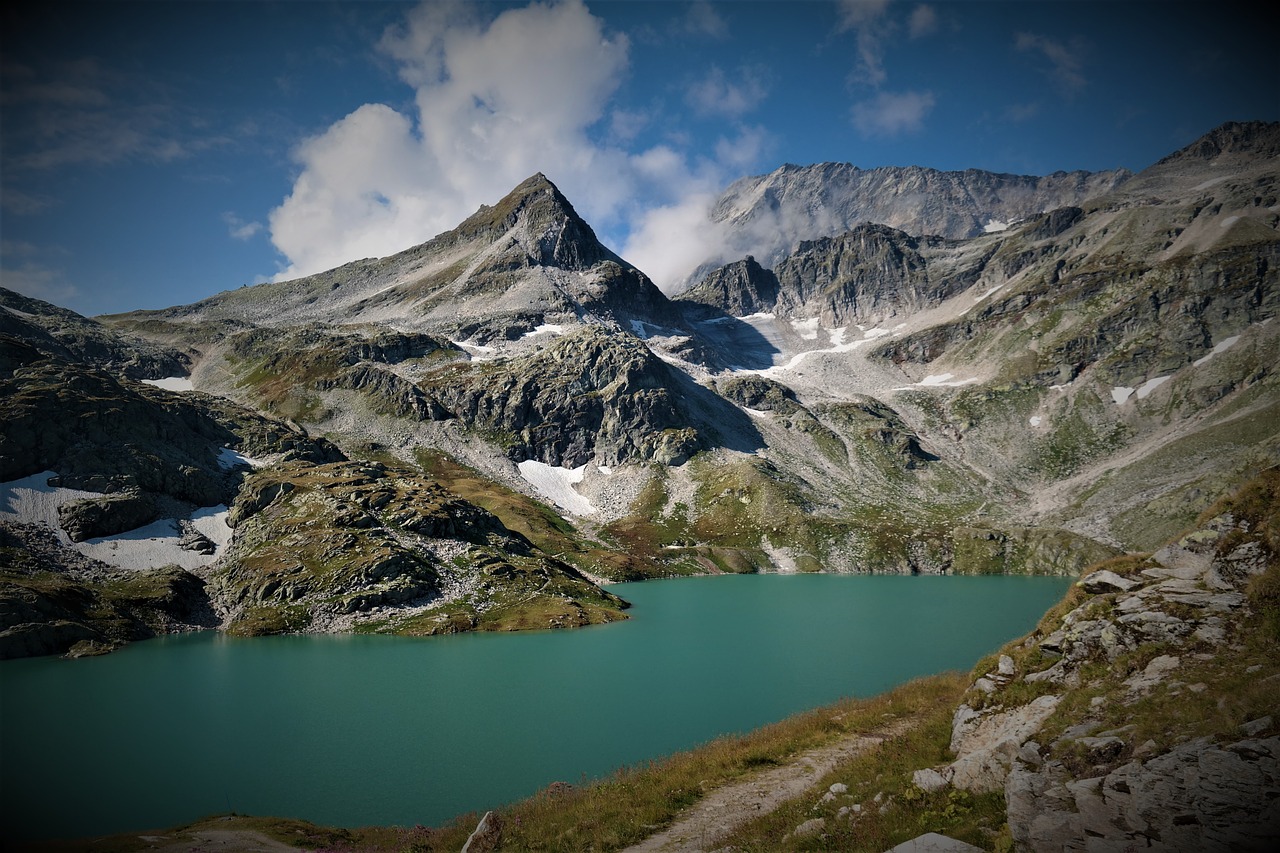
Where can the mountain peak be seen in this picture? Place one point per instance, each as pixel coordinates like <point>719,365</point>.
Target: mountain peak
<point>549,228</point>
<point>1234,137</point>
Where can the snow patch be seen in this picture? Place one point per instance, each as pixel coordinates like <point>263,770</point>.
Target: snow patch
<point>1120,394</point>
<point>1229,221</point>
<point>995,225</point>
<point>941,380</point>
<point>1151,385</point>
<point>228,458</point>
<point>172,383</point>
<point>545,329</point>
<point>755,413</point>
<point>32,500</point>
<point>807,329</point>
<point>1036,420</point>
<point>158,544</point>
<point>988,293</point>
<point>604,469</point>
<point>1223,345</point>
<point>474,347</point>
<point>556,484</point>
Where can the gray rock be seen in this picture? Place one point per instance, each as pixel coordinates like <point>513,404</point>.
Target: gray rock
<point>1106,581</point>
<point>809,827</point>
<point>1256,727</point>
<point>932,842</point>
<point>486,837</point>
<point>930,780</point>
<point>986,743</point>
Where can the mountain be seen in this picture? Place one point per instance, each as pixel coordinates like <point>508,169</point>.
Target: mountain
<point>768,215</point>
<point>525,262</point>
<point>478,432</point>
<point>1078,385</point>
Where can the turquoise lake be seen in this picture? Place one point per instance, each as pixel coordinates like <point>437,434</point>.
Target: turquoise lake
<point>356,730</point>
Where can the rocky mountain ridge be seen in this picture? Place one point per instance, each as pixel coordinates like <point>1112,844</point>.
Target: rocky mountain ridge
<point>1028,400</point>
<point>769,215</point>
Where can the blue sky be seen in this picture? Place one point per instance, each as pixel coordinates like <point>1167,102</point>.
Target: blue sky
<point>153,153</point>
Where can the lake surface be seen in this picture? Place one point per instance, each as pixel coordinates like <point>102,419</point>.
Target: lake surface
<point>361,730</point>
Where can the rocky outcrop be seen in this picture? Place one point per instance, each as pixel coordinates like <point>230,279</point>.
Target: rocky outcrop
<point>318,546</point>
<point>53,601</point>
<point>1024,550</point>
<point>31,329</point>
<point>739,288</point>
<point>761,394</point>
<point>1099,761</point>
<point>107,515</point>
<point>590,395</point>
<point>878,428</point>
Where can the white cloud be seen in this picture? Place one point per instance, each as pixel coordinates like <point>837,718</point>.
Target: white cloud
<point>496,101</point>
<point>892,113</point>
<point>625,125</point>
<point>716,94</point>
<point>1066,62</point>
<point>868,20</point>
<point>669,242</point>
<point>858,13</point>
<point>923,21</point>
<point>238,228</point>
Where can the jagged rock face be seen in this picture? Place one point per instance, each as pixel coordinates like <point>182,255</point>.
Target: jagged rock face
<point>740,288</point>
<point>31,329</point>
<point>589,395</point>
<point>865,275</point>
<point>768,215</point>
<point>103,435</point>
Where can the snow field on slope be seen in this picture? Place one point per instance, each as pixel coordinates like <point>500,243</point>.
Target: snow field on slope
<point>556,484</point>
<point>31,500</point>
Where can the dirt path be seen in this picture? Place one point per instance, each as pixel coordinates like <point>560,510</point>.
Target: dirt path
<point>722,811</point>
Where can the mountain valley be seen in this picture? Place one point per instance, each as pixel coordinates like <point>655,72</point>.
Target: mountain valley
<point>479,432</point>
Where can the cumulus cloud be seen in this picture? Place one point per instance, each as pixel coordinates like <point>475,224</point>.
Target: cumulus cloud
<point>892,113</point>
<point>1065,62</point>
<point>496,101</point>
<point>716,94</point>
